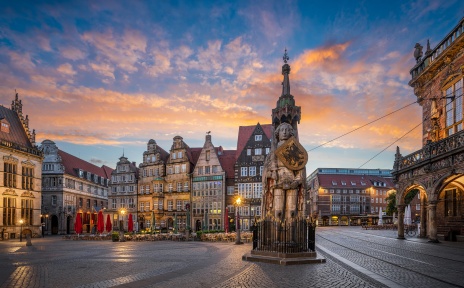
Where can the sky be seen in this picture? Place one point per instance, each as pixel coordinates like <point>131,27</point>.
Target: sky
<point>101,78</point>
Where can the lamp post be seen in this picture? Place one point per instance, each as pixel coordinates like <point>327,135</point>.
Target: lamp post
<point>237,222</point>
<point>21,221</point>
<point>121,226</point>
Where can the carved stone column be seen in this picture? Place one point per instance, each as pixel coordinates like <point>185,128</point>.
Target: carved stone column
<point>423,218</point>
<point>401,221</point>
<point>432,225</point>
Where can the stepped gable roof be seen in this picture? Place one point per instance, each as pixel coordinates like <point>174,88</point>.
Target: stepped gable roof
<point>227,160</point>
<point>336,181</point>
<point>72,164</point>
<point>245,132</point>
<point>17,133</point>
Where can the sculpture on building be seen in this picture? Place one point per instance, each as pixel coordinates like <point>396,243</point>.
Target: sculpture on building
<point>418,52</point>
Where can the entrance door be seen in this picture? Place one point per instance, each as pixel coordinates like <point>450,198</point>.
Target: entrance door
<point>198,225</point>
<point>54,224</point>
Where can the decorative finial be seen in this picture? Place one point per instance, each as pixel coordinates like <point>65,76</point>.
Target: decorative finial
<point>208,132</point>
<point>285,56</point>
<point>122,152</point>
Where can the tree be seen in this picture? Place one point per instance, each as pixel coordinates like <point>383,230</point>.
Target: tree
<point>391,204</point>
<point>410,196</point>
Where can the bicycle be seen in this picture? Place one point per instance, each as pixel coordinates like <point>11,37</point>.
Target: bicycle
<point>410,231</point>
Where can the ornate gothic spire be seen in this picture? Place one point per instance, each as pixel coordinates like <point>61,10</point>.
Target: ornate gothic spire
<point>285,72</point>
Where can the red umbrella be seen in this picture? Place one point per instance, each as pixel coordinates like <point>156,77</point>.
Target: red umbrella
<point>130,225</point>
<point>108,224</point>
<point>226,220</point>
<point>100,222</point>
<point>78,224</point>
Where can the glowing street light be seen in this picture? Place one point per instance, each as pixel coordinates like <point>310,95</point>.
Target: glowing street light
<point>238,201</point>
<point>21,221</point>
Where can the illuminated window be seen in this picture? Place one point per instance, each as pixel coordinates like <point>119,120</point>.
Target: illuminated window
<point>453,108</point>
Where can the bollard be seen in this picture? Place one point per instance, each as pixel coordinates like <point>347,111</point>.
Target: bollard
<point>28,240</point>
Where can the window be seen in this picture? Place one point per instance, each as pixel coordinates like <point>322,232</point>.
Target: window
<point>183,168</point>
<point>169,205</point>
<point>9,211</point>
<point>258,137</point>
<point>258,151</point>
<point>207,155</point>
<point>113,203</point>
<point>131,203</point>
<point>174,155</point>
<point>179,187</point>
<point>88,203</point>
<point>252,171</point>
<point>81,202</point>
<point>453,108</point>
<point>9,175</point>
<point>169,170</point>
<point>160,204</point>
<point>230,190</point>
<point>267,150</point>
<point>170,187</point>
<point>54,200</point>
<point>207,169</point>
<point>186,186</point>
<point>215,169</point>
<point>200,170</point>
<point>248,152</point>
<point>179,155</point>
<point>28,176</point>
<point>261,170</point>
<point>451,202</point>
<point>244,171</point>
<point>179,205</point>
<point>417,207</point>
<point>177,169</point>
<point>142,206</point>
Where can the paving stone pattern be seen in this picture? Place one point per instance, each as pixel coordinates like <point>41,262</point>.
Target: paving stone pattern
<point>53,262</point>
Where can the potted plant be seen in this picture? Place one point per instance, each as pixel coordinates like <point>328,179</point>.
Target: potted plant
<point>115,237</point>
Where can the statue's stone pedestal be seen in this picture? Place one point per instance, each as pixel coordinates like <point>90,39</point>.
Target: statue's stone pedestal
<point>284,258</point>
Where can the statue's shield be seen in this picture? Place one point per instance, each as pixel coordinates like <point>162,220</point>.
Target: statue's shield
<point>292,154</point>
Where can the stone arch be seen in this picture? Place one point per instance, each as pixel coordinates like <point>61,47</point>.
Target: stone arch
<point>401,193</point>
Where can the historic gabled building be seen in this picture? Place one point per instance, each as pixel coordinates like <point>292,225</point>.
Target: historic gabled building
<point>253,144</point>
<point>227,160</point>
<point>208,197</point>
<point>437,169</point>
<point>343,196</point>
<point>22,167</point>
<point>122,196</point>
<point>152,174</point>
<point>178,186</point>
<point>69,186</point>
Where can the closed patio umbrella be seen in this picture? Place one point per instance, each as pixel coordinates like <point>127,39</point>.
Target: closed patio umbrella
<point>152,222</point>
<point>78,224</point>
<point>100,222</point>
<point>130,224</point>
<point>109,226</point>
<point>380,217</point>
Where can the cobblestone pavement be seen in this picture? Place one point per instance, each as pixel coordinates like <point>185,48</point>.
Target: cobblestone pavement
<point>413,262</point>
<point>53,262</point>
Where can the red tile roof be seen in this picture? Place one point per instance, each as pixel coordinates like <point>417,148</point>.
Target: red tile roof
<point>227,160</point>
<point>72,164</point>
<point>17,133</point>
<point>329,180</point>
<point>194,154</point>
<point>245,132</point>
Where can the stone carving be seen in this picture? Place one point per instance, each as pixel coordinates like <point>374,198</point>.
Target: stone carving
<point>284,176</point>
<point>418,52</point>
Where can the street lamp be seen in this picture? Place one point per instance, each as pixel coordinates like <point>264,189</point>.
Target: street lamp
<point>21,221</point>
<point>121,226</point>
<point>237,222</point>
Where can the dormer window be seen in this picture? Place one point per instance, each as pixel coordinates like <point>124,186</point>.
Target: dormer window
<point>343,183</point>
<point>334,182</point>
<point>363,183</point>
<point>5,126</point>
<point>258,137</point>
<point>353,183</point>
<point>81,173</point>
<point>89,175</point>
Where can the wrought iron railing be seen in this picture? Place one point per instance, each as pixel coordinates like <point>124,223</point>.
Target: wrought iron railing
<point>295,236</point>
